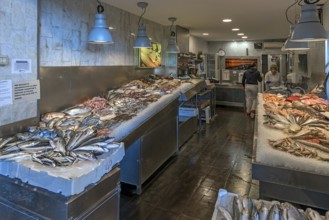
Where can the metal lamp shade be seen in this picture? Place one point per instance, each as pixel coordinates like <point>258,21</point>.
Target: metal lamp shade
<point>293,45</point>
<point>309,27</point>
<point>100,33</point>
<point>142,40</point>
<point>172,45</point>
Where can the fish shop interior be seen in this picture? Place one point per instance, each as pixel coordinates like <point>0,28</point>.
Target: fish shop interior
<point>156,110</point>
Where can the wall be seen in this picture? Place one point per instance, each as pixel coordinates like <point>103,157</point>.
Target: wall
<point>65,26</point>
<point>18,39</point>
<point>197,45</point>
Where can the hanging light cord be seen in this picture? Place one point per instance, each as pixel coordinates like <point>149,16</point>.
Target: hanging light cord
<point>172,33</point>
<point>100,8</point>
<point>287,17</point>
<point>140,18</point>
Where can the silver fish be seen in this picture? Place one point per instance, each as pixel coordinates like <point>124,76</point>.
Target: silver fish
<point>50,115</point>
<point>274,213</point>
<point>247,204</point>
<point>59,145</point>
<point>292,212</point>
<point>85,135</point>
<point>14,156</point>
<point>37,148</point>
<point>6,141</point>
<point>92,148</point>
<point>263,213</point>
<point>237,208</point>
<point>222,214</point>
<point>312,214</point>
<point>78,110</point>
<point>245,215</point>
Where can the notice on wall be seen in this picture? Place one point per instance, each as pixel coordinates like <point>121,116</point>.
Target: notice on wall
<point>21,66</point>
<point>225,75</point>
<point>6,92</point>
<point>26,91</point>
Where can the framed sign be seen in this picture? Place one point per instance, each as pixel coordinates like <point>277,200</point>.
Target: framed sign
<point>150,57</point>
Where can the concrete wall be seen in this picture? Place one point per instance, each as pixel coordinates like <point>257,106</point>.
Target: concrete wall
<point>18,40</point>
<point>65,26</point>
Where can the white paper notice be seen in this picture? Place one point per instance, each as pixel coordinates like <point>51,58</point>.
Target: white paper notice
<point>226,75</point>
<point>26,91</point>
<point>6,92</point>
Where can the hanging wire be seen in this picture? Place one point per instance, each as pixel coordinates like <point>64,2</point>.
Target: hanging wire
<point>287,17</point>
<point>100,8</point>
<point>140,18</point>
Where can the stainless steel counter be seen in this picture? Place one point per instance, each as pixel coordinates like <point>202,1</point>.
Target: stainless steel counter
<point>150,146</point>
<point>230,95</point>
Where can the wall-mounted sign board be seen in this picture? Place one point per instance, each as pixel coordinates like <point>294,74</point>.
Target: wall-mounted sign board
<point>21,66</point>
<point>26,91</point>
<point>6,92</point>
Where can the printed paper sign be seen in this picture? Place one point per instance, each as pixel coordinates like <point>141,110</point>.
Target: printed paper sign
<point>26,91</point>
<point>6,92</point>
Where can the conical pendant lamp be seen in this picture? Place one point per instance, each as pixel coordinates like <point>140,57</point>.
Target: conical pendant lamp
<point>142,40</point>
<point>100,33</point>
<point>309,27</point>
<point>172,44</point>
<point>291,45</point>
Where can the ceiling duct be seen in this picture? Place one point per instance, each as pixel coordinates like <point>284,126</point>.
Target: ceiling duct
<point>272,45</point>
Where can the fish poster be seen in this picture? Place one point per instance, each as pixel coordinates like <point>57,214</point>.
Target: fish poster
<point>150,57</point>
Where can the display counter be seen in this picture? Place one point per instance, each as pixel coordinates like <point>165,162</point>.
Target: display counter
<point>229,94</point>
<point>283,176</point>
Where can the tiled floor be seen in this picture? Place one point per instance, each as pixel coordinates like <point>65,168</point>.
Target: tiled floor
<point>218,156</point>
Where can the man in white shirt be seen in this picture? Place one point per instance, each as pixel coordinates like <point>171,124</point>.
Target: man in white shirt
<point>272,77</point>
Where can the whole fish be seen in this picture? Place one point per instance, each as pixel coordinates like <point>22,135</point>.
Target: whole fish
<point>274,213</point>
<point>245,215</point>
<point>14,156</point>
<point>84,136</point>
<point>237,208</point>
<point>5,141</point>
<point>247,204</point>
<point>312,214</point>
<point>97,139</point>
<point>59,145</point>
<point>291,212</point>
<point>77,110</point>
<point>50,115</point>
<point>263,212</point>
<point>222,214</point>
<point>92,148</point>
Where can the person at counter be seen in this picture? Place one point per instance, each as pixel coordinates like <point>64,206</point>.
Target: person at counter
<point>272,77</point>
<point>250,80</point>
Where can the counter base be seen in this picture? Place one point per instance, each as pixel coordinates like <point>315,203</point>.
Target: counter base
<point>22,201</point>
<point>291,185</point>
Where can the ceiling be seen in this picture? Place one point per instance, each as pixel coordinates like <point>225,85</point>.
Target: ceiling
<point>257,19</point>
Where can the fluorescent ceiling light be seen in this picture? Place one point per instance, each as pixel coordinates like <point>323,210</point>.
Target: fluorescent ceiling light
<point>235,29</point>
<point>244,37</point>
<point>240,34</point>
<point>227,20</point>
<point>205,34</point>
